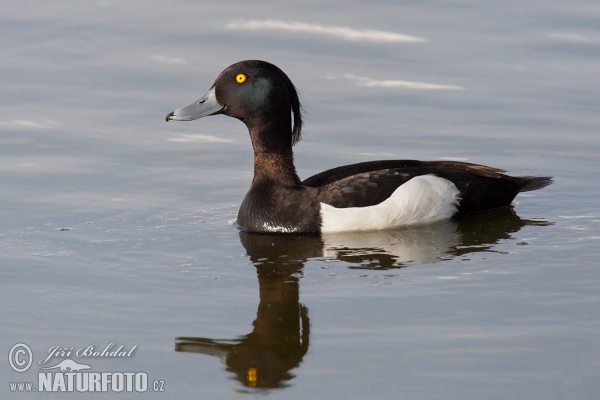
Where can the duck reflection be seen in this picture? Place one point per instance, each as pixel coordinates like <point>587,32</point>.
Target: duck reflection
<point>425,244</point>
<point>280,337</point>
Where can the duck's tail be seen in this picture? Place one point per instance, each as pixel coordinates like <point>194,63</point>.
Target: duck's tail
<point>535,182</point>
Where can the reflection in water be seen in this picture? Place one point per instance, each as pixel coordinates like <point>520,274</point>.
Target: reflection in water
<point>280,338</point>
<point>424,244</point>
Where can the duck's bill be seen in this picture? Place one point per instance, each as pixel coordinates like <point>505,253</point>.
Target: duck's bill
<point>207,105</point>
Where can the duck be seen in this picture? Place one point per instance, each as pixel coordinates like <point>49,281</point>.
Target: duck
<point>367,196</point>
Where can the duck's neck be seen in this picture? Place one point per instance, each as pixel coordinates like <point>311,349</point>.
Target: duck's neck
<point>273,157</point>
<point>275,167</point>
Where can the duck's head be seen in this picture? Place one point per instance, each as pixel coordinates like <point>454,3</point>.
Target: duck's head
<point>255,92</point>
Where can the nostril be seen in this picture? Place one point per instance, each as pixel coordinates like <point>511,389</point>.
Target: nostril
<point>201,101</point>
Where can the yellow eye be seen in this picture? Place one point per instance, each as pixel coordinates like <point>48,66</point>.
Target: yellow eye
<point>241,78</point>
<point>252,375</point>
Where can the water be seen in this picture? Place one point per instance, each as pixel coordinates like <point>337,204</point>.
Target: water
<point>116,225</point>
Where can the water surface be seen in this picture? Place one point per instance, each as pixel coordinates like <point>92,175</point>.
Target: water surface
<point>117,226</point>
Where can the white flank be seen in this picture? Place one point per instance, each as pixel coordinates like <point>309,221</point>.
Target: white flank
<point>335,31</point>
<point>422,200</point>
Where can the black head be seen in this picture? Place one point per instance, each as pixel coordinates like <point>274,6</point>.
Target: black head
<point>257,93</point>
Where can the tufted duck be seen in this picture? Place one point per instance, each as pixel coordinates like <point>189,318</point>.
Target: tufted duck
<point>372,195</point>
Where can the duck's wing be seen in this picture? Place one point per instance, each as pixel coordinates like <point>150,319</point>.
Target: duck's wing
<point>335,174</point>
<point>363,189</point>
<point>481,188</point>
